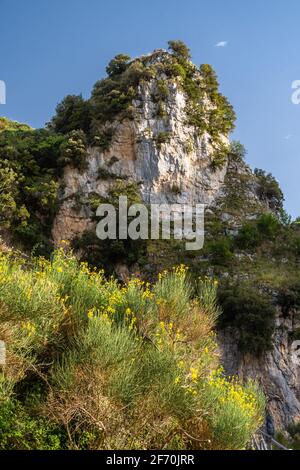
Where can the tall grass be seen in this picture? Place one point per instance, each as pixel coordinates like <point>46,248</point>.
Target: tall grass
<point>122,367</point>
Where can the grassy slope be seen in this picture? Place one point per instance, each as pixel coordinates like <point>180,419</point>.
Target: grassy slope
<point>91,364</point>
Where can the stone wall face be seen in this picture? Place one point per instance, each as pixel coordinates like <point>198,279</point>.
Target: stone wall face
<point>176,170</point>
<point>277,372</point>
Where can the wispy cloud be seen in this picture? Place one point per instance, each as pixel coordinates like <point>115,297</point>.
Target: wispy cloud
<point>288,137</point>
<point>221,44</point>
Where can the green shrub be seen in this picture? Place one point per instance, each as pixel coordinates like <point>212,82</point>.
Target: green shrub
<point>237,150</point>
<point>175,291</point>
<point>162,138</point>
<point>20,431</point>
<point>74,151</point>
<point>220,157</point>
<point>251,313</point>
<point>295,335</point>
<point>163,89</point>
<point>248,236</point>
<point>113,96</point>
<point>268,226</point>
<point>8,183</point>
<point>105,174</point>
<point>134,351</point>
<point>229,423</point>
<point>284,218</point>
<point>134,368</point>
<point>29,183</point>
<point>252,234</point>
<point>33,310</point>
<point>103,139</point>
<point>179,49</point>
<point>8,125</point>
<point>117,65</point>
<point>268,189</point>
<point>294,441</point>
<point>222,116</point>
<point>72,114</point>
<point>220,251</point>
<point>289,297</point>
<point>107,253</point>
<point>296,245</point>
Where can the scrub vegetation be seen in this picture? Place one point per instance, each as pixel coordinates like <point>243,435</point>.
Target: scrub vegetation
<point>92,364</point>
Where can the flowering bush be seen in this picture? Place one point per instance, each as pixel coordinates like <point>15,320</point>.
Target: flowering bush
<point>120,366</point>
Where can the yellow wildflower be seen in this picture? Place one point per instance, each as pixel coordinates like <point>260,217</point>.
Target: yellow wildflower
<point>90,313</point>
<point>194,374</point>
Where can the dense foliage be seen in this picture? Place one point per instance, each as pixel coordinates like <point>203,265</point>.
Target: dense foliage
<point>132,367</point>
<point>251,313</point>
<point>255,245</point>
<point>72,114</point>
<point>112,97</point>
<point>28,187</point>
<point>268,189</point>
<point>108,253</point>
<point>31,162</point>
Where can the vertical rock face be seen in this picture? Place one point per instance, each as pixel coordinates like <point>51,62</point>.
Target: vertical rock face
<point>278,372</point>
<point>165,156</point>
<point>170,161</point>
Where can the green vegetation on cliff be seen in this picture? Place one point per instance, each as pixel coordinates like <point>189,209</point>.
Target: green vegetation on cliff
<point>32,161</point>
<point>95,364</point>
<point>28,186</point>
<point>112,97</point>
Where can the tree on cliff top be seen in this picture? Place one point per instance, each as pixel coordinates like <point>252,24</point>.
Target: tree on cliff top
<point>179,49</point>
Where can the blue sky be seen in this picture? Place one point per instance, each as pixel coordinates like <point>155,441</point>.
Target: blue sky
<point>49,49</point>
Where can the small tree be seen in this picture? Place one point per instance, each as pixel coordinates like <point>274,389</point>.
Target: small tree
<point>179,49</point>
<point>117,65</point>
<point>210,78</point>
<point>289,296</point>
<point>251,313</point>
<point>269,188</point>
<point>74,150</point>
<point>237,150</point>
<point>268,226</point>
<point>8,186</point>
<point>73,113</point>
<point>248,236</point>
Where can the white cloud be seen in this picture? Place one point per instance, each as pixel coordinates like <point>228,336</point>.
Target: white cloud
<point>288,137</point>
<point>221,44</point>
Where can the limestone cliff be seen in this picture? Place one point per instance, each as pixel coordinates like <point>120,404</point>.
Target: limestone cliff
<point>165,155</point>
<point>169,160</point>
<point>277,371</point>
<point>157,126</point>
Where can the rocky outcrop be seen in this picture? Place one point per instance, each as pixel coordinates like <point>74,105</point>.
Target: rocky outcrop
<point>168,159</point>
<point>278,371</point>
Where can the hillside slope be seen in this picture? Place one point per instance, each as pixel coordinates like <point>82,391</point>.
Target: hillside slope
<point>156,129</point>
